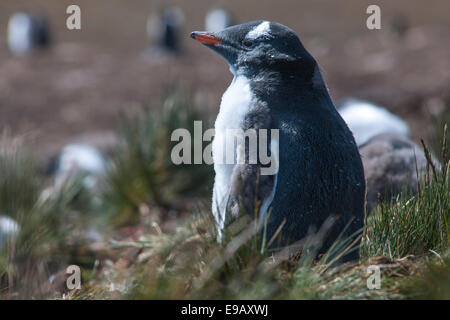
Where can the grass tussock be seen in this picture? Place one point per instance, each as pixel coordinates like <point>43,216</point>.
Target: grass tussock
<point>399,237</point>
<point>415,224</point>
<point>191,264</point>
<point>19,178</point>
<point>406,238</point>
<point>44,215</point>
<point>142,170</point>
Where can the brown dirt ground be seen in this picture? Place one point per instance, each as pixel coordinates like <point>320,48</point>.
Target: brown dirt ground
<point>82,82</point>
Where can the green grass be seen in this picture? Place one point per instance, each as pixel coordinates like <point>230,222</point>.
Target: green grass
<point>45,216</point>
<point>190,264</point>
<point>408,237</point>
<point>19,178</point>
<point>433,282</point>
<point>413,224</point>
<point>142,171</point>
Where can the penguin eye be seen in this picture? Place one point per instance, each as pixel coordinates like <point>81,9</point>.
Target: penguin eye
<point>248,43</point>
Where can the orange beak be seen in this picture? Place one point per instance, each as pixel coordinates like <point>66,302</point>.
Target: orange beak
<point>205,38</point>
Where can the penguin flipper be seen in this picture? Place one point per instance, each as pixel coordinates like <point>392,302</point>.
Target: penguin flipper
<point>251,193</point>
<point>253,184</point>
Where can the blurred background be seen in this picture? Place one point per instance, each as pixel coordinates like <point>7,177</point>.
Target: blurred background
<point>78,85</point>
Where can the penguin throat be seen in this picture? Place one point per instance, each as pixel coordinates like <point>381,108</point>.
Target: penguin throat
<point>233,70</point>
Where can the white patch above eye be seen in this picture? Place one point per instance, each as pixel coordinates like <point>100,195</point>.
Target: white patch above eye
<point>263,29</point>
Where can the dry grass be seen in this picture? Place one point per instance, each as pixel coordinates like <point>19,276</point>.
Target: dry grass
<point>406,238</point>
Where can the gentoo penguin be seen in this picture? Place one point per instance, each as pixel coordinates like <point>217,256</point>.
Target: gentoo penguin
<point>399,25</point>
<point>8,230</point>
<point>78,161</point>
<point>164,28</point>
<point>277,85</point>
<point>366,120</point>
<point>27,32</point>
<point>217,20</point>
<point>392,164</point>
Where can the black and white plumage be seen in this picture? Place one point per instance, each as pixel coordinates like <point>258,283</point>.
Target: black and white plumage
<point>277,85</point>
<point>27,32</point>
<point>8,230</point>
<point>367,120</point>
<point>217,20</point>
<point>78,161</point>
<point>164,29</point>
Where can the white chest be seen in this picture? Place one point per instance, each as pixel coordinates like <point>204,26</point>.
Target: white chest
<point>236,103</point>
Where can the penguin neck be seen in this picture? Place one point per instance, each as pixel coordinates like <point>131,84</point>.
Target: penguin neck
<point>299,86</point>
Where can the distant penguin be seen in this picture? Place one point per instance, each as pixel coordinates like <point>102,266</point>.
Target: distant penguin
<point>366,120</point>
<point>217,20</point>
<point>164,29</point>
<point>399,25</point>
<point>392,164</point>
<point>78,161</point>
<point>277,86</point>
<point>8,230</point>
<point>27,32</point>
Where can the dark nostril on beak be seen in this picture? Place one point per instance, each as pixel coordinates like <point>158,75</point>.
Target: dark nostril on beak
<point>205,38</point>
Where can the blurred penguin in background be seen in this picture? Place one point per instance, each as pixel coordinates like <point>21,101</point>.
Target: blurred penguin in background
<point>367,120</point>
<point>77,161</point>
<point>164,28</point>
<point>392,162</point>
<point>399,25</point>
<point>8,230</point>
<point>217,20</point>
<point>27,33</point>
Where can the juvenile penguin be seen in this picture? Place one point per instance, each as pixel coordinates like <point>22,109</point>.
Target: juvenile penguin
<point>366,120</point>
<point>277,85</point>
<point>392,164</point>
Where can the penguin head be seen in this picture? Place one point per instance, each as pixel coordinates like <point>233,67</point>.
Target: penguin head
<point>258,46</point>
